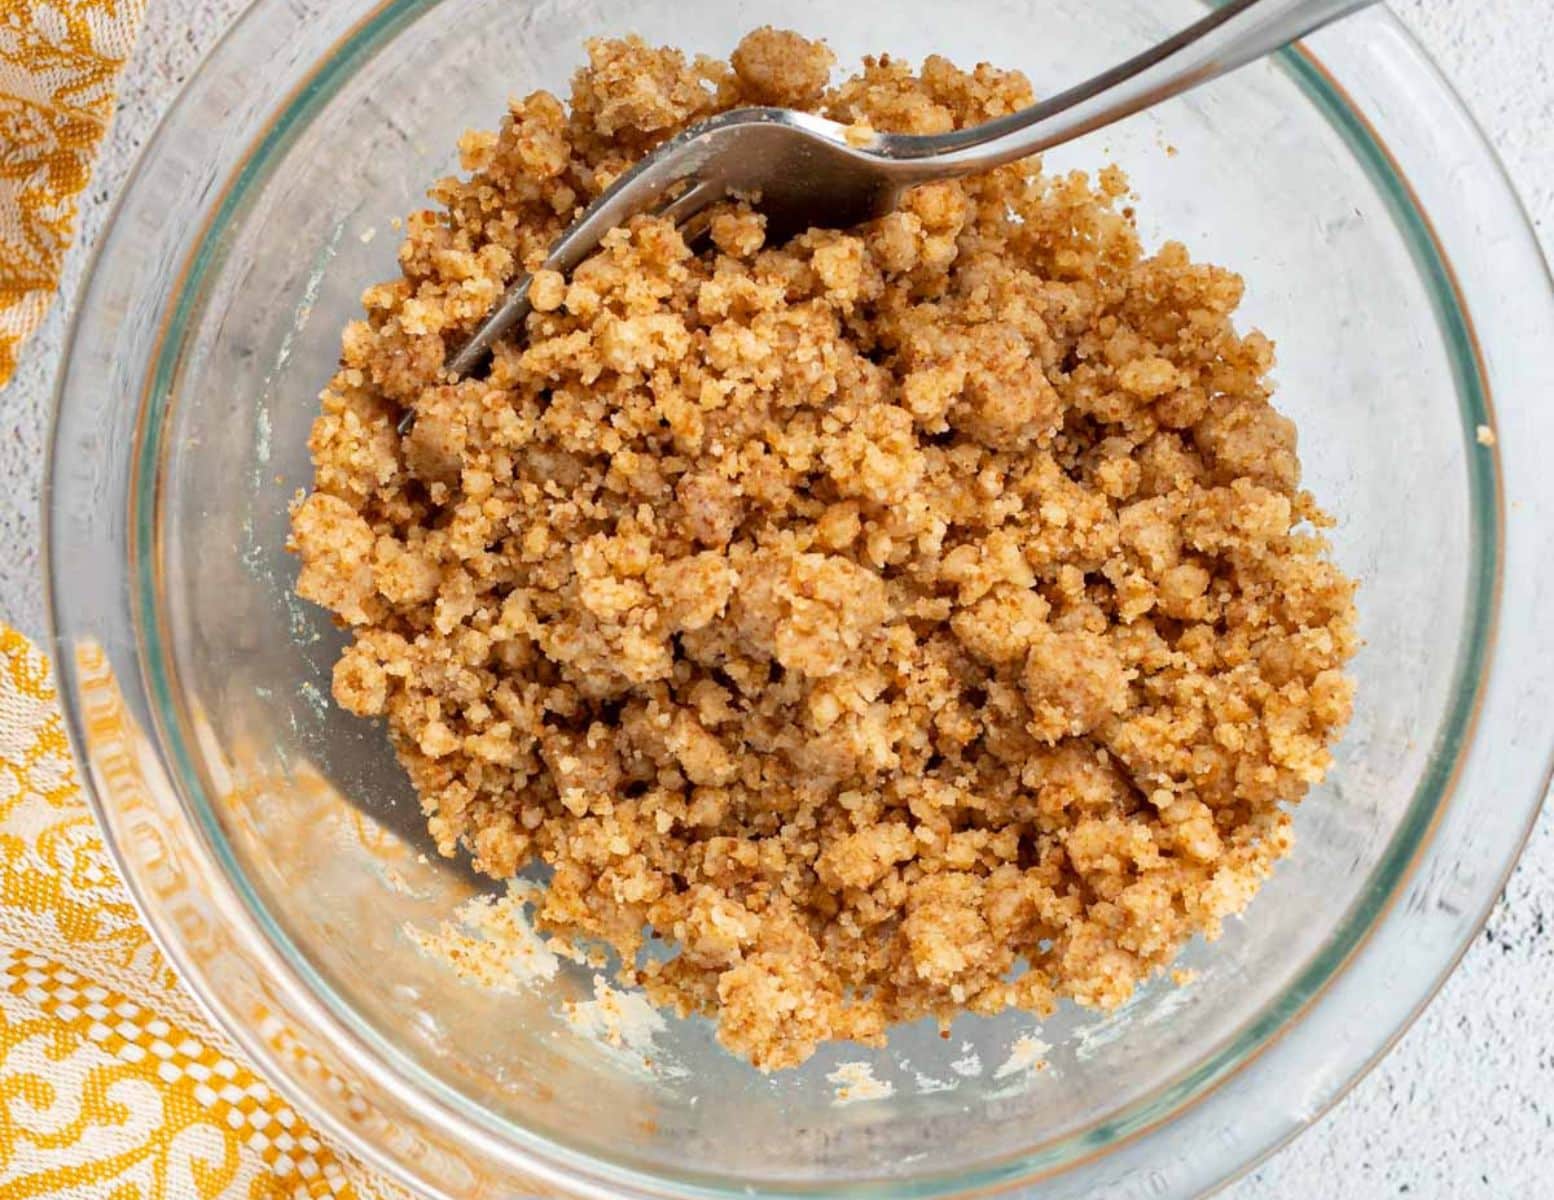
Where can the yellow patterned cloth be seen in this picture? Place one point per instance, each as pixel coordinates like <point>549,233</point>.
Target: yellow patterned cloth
<point>112,1085</point>
<point>59,61</point>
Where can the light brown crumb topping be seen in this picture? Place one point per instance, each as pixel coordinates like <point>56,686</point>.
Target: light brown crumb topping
<point>895,622</point>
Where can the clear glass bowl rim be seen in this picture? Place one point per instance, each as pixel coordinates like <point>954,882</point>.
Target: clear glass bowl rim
<point>1403,853</point>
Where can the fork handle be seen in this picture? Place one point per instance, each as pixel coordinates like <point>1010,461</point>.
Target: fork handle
<point>1234,34</point>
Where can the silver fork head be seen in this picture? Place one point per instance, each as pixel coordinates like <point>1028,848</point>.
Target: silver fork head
<point>796,169</point>
<point>801,170</point>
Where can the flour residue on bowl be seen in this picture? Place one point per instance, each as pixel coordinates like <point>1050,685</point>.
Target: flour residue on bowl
<point>1027,1055</point>
<point>855,1082</point>
<point>1159,1006</point>
<point>309,691</point>
<point>622,1022</point>
<point>262,434</point>
<point>924,1084</point>
<point>491,940</point>
<point>969,1064</point>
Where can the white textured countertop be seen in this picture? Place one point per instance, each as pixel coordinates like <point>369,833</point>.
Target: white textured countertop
<point>1464,1106</point>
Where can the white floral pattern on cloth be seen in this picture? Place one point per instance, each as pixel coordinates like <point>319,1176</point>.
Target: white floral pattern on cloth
<point>112,1085</point>
<point>59,62</point>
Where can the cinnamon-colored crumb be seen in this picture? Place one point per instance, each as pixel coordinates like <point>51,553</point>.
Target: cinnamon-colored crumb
<point>901,621</point>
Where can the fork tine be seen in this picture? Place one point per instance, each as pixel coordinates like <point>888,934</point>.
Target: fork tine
<point>515,305</point>
<point>635,191</point>
<point>691,201</point>
<point>681,210</point>
<point>641,189</point>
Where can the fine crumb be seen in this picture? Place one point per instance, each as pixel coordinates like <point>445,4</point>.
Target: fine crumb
<point>1182,976</point>
<point>855,1081</point>
<point>878,624</point>
<point>1485,435</point>
<point>368,234</point>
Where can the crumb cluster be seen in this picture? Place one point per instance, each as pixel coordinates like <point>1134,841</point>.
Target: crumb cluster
<point>894,622</point>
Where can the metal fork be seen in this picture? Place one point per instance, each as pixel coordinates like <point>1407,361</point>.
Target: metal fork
<point>802,171</point>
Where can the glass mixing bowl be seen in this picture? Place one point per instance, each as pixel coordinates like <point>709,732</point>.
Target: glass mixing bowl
<point>280,857</point>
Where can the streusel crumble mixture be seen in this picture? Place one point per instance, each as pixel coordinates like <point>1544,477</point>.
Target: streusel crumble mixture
<point>895,622</point>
